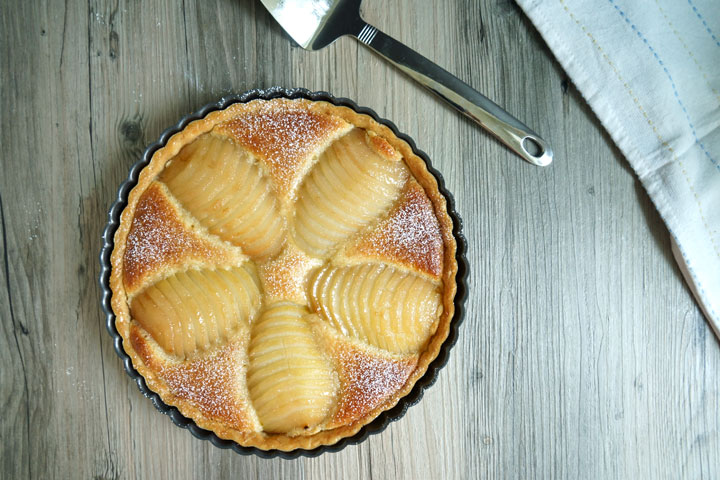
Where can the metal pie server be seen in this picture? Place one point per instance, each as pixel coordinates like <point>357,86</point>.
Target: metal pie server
<point>315,24</point>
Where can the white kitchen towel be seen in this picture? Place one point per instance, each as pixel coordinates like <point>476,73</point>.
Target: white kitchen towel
<point>650,70</point>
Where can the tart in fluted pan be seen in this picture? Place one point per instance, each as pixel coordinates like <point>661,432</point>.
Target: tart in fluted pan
<point>284,272</point>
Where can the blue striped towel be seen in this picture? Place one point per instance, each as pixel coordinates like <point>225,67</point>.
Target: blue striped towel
<point>651,72</point>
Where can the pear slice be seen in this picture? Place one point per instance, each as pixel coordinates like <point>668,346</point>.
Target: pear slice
<point>220,185</point>
<point>290,380</point>
<point>198,309</point>
<point>388,308</point>
<point>351,185</point>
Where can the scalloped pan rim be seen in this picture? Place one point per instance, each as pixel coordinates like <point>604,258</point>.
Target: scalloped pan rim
<point>384,419</point>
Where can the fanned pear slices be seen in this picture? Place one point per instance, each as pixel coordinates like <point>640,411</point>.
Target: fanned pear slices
<point>385,307</point>
<point>290,380</point>
<point>195,310</point>
<point>352,184</point>
<point>284,271</point>
<point>216,181</point>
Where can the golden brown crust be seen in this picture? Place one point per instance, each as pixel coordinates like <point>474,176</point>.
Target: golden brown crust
<point>409,236</point>
<point>383,148</point>
<point>208,383</point>
<point>242,427</point>
<point>283,135</point>
<point>159,242</point>
<point>368,376</point>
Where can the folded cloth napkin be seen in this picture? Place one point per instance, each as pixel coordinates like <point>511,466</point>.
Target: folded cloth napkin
<point>650,71</point>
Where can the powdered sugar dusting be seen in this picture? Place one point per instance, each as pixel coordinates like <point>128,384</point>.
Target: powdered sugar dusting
<point>210,383</point>
<point>283,136</point>
<point>158,239</point>
<point>283,278</point>
<point>368,380</point>
<point>410,234</point>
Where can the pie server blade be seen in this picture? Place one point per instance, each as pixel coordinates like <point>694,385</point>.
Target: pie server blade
<point>315,24</point>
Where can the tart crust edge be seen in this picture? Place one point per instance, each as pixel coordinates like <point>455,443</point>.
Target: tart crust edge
<point>121,309</point>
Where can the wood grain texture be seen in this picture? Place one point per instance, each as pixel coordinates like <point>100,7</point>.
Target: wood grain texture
<point>582,354</point>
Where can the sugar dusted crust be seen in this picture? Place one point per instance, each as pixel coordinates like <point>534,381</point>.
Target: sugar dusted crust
<point>410,236</point>
<point>209,387</point>
<point>158,241</point>
<point>284,275</point>
<point>368,376</point>
<point>284,135</point>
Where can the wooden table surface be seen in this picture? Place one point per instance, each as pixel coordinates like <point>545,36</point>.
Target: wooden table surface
<point>582,354</point>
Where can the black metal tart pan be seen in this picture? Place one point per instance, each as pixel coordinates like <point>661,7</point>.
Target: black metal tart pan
<point>384,419</point>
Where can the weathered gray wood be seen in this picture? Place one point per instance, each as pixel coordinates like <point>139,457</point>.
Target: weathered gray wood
<point>582,354</point>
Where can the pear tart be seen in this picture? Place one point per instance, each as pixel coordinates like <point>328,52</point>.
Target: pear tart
<point>284,272</point>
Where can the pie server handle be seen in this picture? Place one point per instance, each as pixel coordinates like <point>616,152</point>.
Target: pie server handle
<point>508,129</point>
